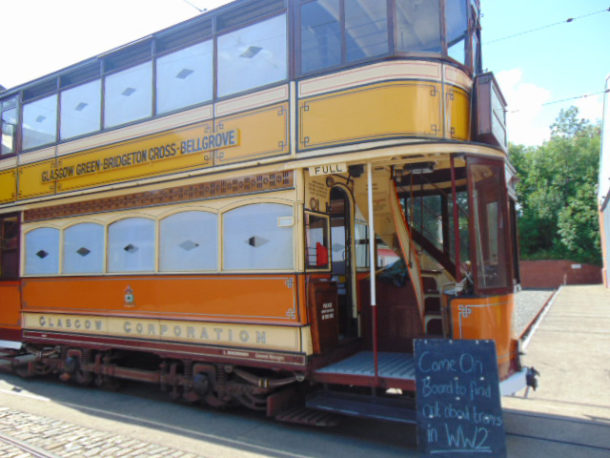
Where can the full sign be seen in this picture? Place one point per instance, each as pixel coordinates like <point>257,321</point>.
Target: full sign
<point>458,398</point>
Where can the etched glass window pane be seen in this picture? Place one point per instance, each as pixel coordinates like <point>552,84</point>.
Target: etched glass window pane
<point>320,35</point>
<point>189,242</point>
<point>258,236</point>
<point>80,109</point>
<point>419,26</point>
<point>39,122</point>
<point>185,77</point>
<point>131,245</point>
<point>253,56</point>
<point>8,110</point>
<point>366,29</point>
<point>42,251</point>
<point>128,95</point>
<point>83,250</point>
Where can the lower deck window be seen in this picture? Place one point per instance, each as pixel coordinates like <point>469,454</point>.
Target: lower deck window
<point>42,251</point>
<point>258,236</point>
<point>131,245</point>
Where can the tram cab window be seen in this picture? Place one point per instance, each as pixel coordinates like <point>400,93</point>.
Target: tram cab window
<point>316,239</point>
<point>42,251</point>
<point>490,225</point>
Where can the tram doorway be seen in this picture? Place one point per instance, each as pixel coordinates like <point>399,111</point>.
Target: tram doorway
<point>342,264</point>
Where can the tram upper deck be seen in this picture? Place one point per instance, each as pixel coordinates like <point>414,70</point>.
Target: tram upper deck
<point>324,78</point>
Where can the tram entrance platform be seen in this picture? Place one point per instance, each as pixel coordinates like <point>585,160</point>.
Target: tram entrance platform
<point>395,370</point>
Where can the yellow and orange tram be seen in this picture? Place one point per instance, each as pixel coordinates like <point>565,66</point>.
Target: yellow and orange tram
<point>273,196</point>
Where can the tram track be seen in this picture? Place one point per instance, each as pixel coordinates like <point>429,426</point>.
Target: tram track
<point>23,446</point>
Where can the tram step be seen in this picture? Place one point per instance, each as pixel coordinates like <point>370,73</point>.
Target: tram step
<point>310,417</point>
<point>396,410</point>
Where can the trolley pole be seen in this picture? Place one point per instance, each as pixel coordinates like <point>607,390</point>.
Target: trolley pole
<point>372,262</point>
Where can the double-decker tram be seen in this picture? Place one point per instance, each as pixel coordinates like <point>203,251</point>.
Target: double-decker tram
<point>273,197</point>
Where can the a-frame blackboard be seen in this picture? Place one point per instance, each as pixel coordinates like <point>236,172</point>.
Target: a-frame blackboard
<point>458,398</point>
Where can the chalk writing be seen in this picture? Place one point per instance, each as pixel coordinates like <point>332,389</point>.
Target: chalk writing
<point>458,402</point>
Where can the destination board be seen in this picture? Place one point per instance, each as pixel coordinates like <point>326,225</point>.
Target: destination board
<point>458,398</point>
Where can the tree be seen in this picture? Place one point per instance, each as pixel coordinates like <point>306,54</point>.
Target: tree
<point>557,192</point>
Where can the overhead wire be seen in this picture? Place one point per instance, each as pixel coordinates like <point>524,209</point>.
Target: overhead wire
<point>565,21</point>
<point>566,99</point>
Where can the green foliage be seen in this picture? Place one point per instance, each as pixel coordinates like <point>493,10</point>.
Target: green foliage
<point>558,217</point>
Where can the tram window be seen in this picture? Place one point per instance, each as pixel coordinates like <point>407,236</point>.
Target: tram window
<point>316,239</point>
<point>9,248</point>
<point>42,251</point>
<point>189,242</point>
<point>254,237</point>
<point>361,232</point>
<point>425,214</point>
<point>366,29</point>
<point>39,122</point>
<point>418,26</point>
<point>83,249</point>
<point>320,35</point>
<point>81,109</point>
<point>456,20</point>
<point>490,226</point>
<point>185,77</point>
<point>463,222</point>
<point>8,122</point>
<point>131,245</point>
<point>257,51</point>
<point>128,95</point>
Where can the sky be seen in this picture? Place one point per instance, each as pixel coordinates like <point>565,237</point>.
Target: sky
<point>534,69</point>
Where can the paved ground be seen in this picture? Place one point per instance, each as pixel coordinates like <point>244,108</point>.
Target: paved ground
<point>571,350</point>
<point>569,415</point>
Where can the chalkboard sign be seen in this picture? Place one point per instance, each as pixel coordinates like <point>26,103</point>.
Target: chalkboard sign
<point>458,398</point>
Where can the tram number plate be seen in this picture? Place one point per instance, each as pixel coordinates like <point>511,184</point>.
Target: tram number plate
<point>458,398</point>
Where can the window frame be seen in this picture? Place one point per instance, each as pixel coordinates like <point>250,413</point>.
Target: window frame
<point>306,265</point>
<point>504,236</point>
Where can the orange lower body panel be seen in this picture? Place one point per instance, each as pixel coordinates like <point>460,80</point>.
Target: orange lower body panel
<point>272,298</point>
<point>10,305</point>
<point>488,318</point>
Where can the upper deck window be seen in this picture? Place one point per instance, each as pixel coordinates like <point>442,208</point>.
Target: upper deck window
<point>8,123</point>
<point>456,21</point>
<point>185,77</point>
<point>128,95</point>
<point>253,56</point>
<point>80,109</point>
<point>418,24</point>
<point>366,29</point>
<point>320,35</point>
<point>39,122</point>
